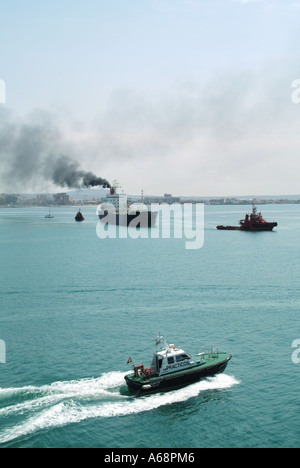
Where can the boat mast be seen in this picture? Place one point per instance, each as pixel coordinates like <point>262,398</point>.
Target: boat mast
<point>161,339</point>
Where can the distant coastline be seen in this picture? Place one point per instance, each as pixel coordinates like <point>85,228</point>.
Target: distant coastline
<point>95,197</point>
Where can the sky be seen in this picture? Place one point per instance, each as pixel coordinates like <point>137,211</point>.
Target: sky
<point>189,97</point>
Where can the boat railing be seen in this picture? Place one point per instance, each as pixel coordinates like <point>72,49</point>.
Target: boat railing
<point>211,352</point>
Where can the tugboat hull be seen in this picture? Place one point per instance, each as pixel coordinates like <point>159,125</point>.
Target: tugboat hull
<point>178,379</point>
<point>254,228</point>
<point>229,228</point>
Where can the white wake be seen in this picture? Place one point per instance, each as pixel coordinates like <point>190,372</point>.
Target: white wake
<point>62,403</point>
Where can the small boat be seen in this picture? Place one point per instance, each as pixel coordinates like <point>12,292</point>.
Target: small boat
<point>79,217</point>
<point>49,216</point>
<point>253,222</point>
<point>172,368</point>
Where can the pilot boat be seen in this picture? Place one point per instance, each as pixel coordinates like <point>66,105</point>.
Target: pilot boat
<point>172,368</point>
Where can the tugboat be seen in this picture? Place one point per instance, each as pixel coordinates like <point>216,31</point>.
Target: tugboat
<point>252,222</point>
<point>79,218</point>
<point>117,210</point>
<point>172,368</point>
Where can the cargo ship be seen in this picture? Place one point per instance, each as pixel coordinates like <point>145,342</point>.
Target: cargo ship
<point>117,209</point>
<point>172,368</point>
<point>252,222</point>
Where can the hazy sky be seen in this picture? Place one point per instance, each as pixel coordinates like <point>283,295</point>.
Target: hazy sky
<point>191,97</point>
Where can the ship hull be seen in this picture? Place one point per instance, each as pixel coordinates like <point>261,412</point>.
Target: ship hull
<point>259,227</point>
<point>228,228</point>
<point>144,219</point>
<point>253,228</point>
<point>176,380</point>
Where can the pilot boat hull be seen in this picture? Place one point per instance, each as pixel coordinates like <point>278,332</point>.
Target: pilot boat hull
<point>175,380</point>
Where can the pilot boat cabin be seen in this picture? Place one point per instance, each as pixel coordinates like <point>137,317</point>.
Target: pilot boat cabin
<point>170,360</point>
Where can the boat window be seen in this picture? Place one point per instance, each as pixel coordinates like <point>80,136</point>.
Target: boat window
<point>171,360</point>
<point>182,357</point>
<point>159,363</point>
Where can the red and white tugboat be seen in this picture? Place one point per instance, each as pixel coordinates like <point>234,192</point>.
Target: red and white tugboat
<point>252,222</point>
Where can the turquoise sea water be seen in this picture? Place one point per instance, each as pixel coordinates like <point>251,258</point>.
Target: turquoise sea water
<point>74,308</point>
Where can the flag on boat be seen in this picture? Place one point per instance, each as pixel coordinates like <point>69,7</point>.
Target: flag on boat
<point>129,360</point>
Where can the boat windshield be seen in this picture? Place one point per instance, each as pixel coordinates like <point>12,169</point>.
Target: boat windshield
<point>182,357</point>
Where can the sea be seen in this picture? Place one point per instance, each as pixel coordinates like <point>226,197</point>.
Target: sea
<point>75,307</point>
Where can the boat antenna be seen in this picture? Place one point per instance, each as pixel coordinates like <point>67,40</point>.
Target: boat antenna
<point>161,340</point>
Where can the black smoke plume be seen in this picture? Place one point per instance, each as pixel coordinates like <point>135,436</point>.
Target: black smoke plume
<point>34,153</point>
<point>66,172</point>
